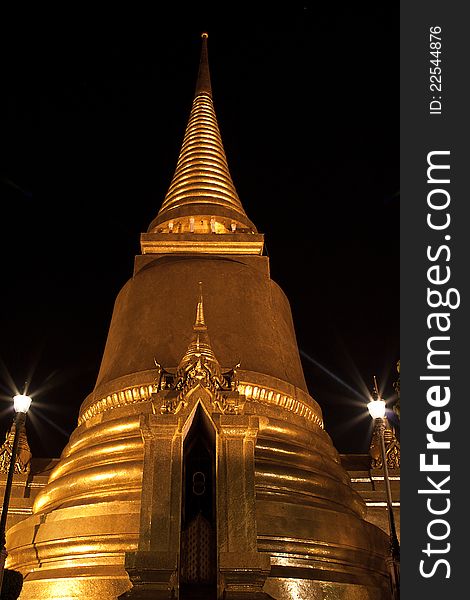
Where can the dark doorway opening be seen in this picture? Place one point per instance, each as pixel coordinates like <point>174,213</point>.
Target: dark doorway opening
<point>198,555</point>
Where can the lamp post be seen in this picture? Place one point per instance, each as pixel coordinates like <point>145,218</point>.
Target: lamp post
<point>377,412</point>
<point>21,403</point>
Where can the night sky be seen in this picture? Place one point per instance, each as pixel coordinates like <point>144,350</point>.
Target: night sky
<point>92,118</point>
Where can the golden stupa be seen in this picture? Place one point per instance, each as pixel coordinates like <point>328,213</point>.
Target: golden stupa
<point>200,467</point>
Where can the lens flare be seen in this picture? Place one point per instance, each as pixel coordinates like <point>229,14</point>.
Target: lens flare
<point>335,377</point>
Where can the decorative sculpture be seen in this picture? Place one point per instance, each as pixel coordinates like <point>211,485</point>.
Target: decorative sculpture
<point>23,457</point>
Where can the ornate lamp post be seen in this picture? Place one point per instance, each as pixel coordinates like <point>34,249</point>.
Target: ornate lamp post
<point>377,412</point>
<point>22,404</point>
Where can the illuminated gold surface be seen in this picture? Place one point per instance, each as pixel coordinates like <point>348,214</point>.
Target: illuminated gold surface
<point>307,514</point>
<point>306,589</point>
<point>197,243</point>
<point>248,315</point>
<point>263,389</point>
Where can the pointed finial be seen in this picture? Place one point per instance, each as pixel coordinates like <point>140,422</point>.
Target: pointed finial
<point>203,85</point>
<point>200,323</point>
<point>375,392</point>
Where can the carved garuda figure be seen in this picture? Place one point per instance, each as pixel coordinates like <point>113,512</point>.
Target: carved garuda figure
<point>23,456</point>
<point>392,448</point>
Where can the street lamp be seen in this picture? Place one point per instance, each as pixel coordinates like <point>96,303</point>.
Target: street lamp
<point>21,402</point>
<point>377,411</point>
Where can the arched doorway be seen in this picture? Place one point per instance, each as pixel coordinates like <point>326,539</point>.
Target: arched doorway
<point>198,554</point>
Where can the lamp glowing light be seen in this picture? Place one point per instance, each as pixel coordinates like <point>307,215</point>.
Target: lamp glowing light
<point>22,403</point>
<point>376,409</point>
<point>376,406</point>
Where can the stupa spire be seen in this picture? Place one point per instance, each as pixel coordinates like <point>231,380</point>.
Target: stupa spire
<point>202,197</point>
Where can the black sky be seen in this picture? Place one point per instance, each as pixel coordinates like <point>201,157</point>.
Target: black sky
<point>92,117</point>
